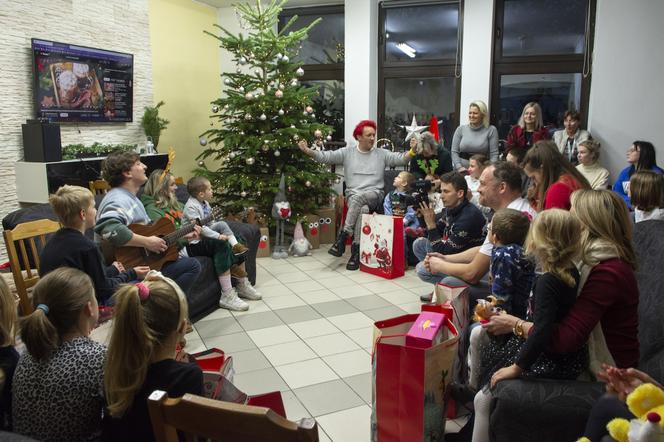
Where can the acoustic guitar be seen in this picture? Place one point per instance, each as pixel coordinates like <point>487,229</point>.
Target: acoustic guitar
<point>164,228</point>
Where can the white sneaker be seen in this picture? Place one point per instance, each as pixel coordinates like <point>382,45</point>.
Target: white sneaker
<point>247,291</point>
<point>230,301</point>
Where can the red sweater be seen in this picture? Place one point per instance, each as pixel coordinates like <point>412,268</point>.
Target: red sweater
<point>610,297</point>
<point>560,193</point>
<point>517,137</point>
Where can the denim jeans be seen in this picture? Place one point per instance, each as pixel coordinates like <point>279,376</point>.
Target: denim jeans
<point>421,247</point>
<point>183,271</point>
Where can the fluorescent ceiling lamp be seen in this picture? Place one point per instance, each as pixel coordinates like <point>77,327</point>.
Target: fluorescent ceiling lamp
<point>406,49</point>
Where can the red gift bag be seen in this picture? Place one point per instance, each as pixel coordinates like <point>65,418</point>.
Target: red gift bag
<point>382,246</point>
<point>409,383</point>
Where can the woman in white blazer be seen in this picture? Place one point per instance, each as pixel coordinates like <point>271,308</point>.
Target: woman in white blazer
<point>569,138</point>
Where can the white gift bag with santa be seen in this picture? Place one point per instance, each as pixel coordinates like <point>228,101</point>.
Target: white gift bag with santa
<point>382,245</point>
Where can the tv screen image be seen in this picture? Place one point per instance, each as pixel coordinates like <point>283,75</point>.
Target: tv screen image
<point>80,84</point>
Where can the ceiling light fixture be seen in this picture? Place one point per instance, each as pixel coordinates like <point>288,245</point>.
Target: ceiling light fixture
<point>406,49</point>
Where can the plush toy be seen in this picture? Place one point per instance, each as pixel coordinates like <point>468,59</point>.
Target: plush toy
<point>300,245</point>
<point>646,402</point>
<point>486,308</point>
<point>281,211</point>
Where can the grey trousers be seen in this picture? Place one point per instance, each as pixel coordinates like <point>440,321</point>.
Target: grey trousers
<point>358,204</point>
<point>222,227</point>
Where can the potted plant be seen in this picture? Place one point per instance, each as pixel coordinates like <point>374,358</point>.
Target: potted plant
<point>152,124</point>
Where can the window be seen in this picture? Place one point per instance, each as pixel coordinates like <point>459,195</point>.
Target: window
<point>419,67</point>
<point>323,56</point>
<point>541,53</point>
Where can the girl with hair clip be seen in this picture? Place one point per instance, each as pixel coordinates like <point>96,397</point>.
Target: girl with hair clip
<point>150,319</point>
<point>553,243</point>
<point>553,178</point>
<point>646,190</point>
<point>57,388</point>
<point>529,130</point>
<point>640,156</point>
<point>160,201</point>
<point>8,354</point>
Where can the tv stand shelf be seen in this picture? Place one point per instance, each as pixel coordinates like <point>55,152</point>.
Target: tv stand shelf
<point>35,181</point>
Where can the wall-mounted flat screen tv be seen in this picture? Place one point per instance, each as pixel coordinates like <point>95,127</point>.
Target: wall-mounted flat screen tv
<point>79,84</point>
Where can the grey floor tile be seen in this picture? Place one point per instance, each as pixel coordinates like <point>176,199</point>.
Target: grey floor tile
<point>217,327</point>
<point>361,384</point>
<point>384,313</point>
<point>249,360</point>
<point>231,343</point>
<point>297,314</point>
<point>327,397</point>
<point>260,381</point>
<point>260,320</point>
<point>334,308</point>
<point>368,302</point>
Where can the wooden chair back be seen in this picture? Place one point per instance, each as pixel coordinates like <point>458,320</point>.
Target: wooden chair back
<point>99,186</point>
<point>26,234</point>
<point>195,416</point>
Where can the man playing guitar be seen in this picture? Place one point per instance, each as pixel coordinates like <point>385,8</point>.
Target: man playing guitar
<point>120,207</point>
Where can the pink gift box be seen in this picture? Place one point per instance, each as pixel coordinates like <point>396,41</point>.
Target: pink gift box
<point>427,330</point>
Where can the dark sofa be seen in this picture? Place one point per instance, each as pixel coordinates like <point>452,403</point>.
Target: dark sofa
<point>557,411</point>
<point>204,294</point>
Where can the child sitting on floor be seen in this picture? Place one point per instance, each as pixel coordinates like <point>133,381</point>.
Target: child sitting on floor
<point>198,206</point>
<point>150,319</point>
<point>512,276</point>
<point>69,247</point>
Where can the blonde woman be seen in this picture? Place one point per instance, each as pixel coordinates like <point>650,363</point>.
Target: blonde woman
<point>57,388</point>
<point>609,296</point>
<point>646,190</point>
<point>476,137</point>
<point>588,155</point>
<point>529,130</point>
<point>8,354</point>
<point>160,201</point>
<point>150,319</point>
<point>553,243</point>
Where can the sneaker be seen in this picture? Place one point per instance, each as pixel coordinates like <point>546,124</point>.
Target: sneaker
<point>246,291</point>
<point>230,301</point>
<point>426,298</point>
<point>240,249</point>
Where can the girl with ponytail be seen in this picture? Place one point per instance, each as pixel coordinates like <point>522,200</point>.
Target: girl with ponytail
<point>8,354</point>
<point>150,319</point>
<point>57,388</point>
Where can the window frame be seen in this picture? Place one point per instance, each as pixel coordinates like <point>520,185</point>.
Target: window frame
<point>539,64</point>
<point>433,68</point>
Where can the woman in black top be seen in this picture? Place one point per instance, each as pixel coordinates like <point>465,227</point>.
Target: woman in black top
<point>150,319</point>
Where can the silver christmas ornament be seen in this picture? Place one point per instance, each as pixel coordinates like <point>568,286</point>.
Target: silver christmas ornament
<point>281,112</point>
<point>241,89</point>
<point>249,96</point>
<point>257,71</point>
<point>318,133</point>
<point>241,132</point>
<point>329,138</point>
<point>281,86</point>
<point>247,117</point>
<point>337,180</point>
<point>304,112</point>
<point>292,126</point>
<point>277,153</point>
<point>202,141</point>
<point>293,82</point>
<point>231,155</point>
<point>238,70</point>
<point>225,107</point>
<point>215,109</point>
<point>243,194</point>
<point>279,56</point>
<point>263,117</point>
<point>201,164</point>
<point>284,58</point>
<point>296,137</point>
<point>299,72</point>
<point>258,193</point>
<point>309,109</point>
<point>242,60</point>
<point>265,147</point>
<point>250,161</point>
<point>308,183</point>
<point>313,115</point>
<point>279,93</point>
<point>227,81</point>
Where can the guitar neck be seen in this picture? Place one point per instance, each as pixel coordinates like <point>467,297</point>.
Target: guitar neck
<point>183,231</point>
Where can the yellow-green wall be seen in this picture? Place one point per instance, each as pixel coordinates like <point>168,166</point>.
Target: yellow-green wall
<point>185,75</point>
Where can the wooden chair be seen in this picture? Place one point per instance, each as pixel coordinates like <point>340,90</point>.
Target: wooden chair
<point>25,234</point>
<point>99,186</point>
<point>195,416</point>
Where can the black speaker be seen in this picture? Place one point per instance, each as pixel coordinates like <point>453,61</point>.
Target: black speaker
<point>41,142</point>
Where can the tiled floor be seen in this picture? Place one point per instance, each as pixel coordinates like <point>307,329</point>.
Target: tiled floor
<point>310,337</point>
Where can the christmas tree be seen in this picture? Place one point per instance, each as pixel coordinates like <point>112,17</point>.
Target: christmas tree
<point>264,112</point>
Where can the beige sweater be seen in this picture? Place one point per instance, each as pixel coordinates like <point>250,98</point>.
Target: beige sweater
<point>597,176</point>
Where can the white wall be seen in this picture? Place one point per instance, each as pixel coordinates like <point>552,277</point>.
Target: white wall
<point>476,61</point>
<point>361,63</point>
<point>626,93</point>
<point>119,25</point>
